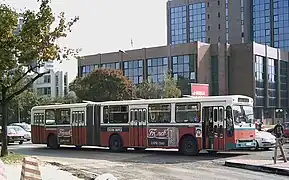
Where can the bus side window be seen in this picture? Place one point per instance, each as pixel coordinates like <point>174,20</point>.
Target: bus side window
<point>105,114</point>
<point>50,117</point>
<point>64,117</point>
<point>221,114</point>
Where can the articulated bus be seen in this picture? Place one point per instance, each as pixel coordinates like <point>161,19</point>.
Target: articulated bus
<point>190,124</point>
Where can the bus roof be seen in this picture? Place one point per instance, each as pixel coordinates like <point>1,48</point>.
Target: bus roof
<point>58,106</point>
<point>148,101</point>
<point>184,99</point>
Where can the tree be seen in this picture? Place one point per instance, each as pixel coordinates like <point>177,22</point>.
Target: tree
<point>148,90</point>
<point>103,85</point>
<point>23,50</point>
<point>170,89</point>
<point>21,106</point>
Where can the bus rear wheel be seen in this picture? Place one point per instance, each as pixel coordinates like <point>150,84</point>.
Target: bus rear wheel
<point>52,142</point>
<point>115,143</point>
<point>189,146</point>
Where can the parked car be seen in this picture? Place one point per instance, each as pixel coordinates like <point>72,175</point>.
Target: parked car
<point>18,129</point>
<point>25,126</point>
<point>13,135</point>
<point>264,140</point>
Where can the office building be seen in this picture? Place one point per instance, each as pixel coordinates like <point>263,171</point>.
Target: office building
<point>235,21</point>
<point>211,21</point>
<point>54,84</point>
<point>251,69</point>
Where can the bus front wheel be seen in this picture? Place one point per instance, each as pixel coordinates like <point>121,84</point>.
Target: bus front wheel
<point>188,146</point>
<point>52,142</point>
<point>115,143</point>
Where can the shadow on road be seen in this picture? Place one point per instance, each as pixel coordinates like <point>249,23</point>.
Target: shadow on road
<point>148,156</point>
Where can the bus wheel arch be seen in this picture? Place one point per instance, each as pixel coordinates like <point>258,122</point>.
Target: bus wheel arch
<point>52,141</point>
<point>115,142</point>
<point>188,145</point>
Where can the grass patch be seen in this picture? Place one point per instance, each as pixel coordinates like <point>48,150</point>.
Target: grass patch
<point>12,158</point>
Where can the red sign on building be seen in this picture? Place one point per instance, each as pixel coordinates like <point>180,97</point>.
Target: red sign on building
<point>199,89</point>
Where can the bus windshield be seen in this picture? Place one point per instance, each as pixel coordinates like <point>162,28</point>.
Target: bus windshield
<point>243,114</point>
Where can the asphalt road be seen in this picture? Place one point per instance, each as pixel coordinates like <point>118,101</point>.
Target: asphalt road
<point>152,164</point>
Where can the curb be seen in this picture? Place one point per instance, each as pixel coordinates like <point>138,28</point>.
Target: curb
<point>260,168</point>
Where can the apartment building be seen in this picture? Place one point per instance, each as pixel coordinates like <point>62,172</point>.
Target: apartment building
<point>55,84</point>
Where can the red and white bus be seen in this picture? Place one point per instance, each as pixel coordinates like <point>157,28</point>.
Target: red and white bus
<point>190,124</point>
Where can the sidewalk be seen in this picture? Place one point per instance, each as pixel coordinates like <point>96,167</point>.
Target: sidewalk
<point>48,172</point>
<point>268,166</point>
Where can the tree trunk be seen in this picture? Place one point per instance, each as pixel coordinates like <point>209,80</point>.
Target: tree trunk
<point>4,107</point>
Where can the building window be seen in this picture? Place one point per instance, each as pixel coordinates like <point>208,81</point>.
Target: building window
<point>134,70</point>
<point>44,91</point>
<point>261,21</point>
<point>157,69</point>
<point>178,24</point>
<point>259,81</point>
<point>159,113</point>
<point>281,24</point>
<point>197,16</point>
<point>87,69</point>
<point>188,113</point>
<point>65,80</point>
<point>115,114</point>
<point>272,81</point>
<point>56,80</point>
<point>65,91</point>
<point>184,67</point>
<point>219,26</point>
<point>215,75</point>
<point>114,65</point>
<point>47,79</point>
<point>284,83</point>
<point>219,14</point>
<point>57,92</point>
<point>218,3</point>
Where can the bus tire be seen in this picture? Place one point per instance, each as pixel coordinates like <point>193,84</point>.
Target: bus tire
<point>52,142</point>
<point>115,143</point>
<point>189,146</point>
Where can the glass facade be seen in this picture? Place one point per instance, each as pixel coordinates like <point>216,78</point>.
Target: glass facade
<point>184,67</point>
<point>272,81</point>
<point>84,70</point>
<point>259,81</point>
<point>261,21</point>
<point>281,24</point>
<point>134,70</point>
<point>114,65</point>
<point>284,83</point>
<point>178,24</point>
<point>156,69</point>
<point>197,19</point>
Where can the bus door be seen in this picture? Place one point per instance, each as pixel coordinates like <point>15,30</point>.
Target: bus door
<point>78,118</point>
<point>138,126</point>
<point>213,128</point>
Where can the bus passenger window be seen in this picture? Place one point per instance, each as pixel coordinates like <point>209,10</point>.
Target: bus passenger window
<point>64,117</point>
<point>159,113</point>
<point>105,114</point>
<point>118,114</point>
<point>50,117</point>
<point>187,113</point>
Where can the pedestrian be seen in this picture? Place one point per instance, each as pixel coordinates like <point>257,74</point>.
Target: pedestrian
<point>278,130</point>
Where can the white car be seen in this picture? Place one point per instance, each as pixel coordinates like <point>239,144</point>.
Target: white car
<point>264,140</point>
<point>22,132</point>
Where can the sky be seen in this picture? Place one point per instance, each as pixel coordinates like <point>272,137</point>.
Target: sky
<point>107,26</point>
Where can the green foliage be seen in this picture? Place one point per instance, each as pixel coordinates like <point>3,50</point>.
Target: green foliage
<point>23,50</point>
<point>170,88</point>
<point>103,85</point>
<point>148,90</point>
<point>26,100</point>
